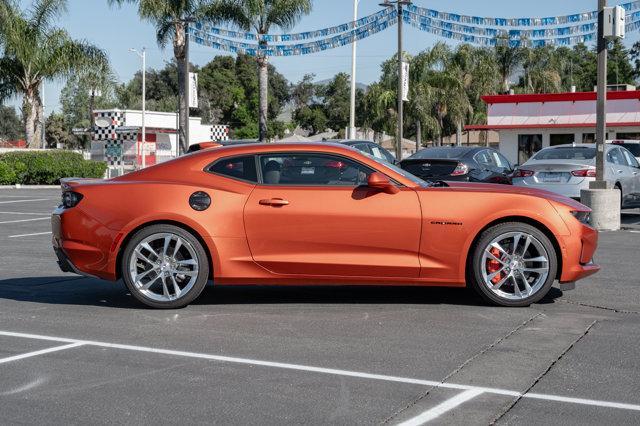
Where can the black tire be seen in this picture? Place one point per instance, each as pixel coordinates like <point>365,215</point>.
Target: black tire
<point>474,265</point>
<point>202,264</point>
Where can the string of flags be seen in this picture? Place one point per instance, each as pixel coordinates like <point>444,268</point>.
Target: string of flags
<point>482,31</point>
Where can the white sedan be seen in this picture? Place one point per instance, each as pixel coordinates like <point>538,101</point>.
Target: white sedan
<point>566,169</point>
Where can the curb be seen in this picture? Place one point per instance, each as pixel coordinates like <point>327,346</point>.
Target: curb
<point>18,186</point>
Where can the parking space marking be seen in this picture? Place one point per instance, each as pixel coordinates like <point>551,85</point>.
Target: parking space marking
<point>40,352</point>
<point>29,235</point>
<point>26,201</point>
<point>330,371</point>
<point>442,408</point>
<point>24,213</point>
<point>24,220</point>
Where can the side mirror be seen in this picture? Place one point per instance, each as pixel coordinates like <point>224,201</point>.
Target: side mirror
<point>381,182</point>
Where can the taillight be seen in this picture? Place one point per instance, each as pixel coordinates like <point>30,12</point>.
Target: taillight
<point>584,173</point>
<point>461,169</point>
<point>521,173</point>
<point>70,199</point>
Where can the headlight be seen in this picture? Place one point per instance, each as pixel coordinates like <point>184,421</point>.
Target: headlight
<point>582,216</point>
<point>70,199</point>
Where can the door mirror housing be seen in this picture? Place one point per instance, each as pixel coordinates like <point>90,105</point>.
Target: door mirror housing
<point>381,182</point>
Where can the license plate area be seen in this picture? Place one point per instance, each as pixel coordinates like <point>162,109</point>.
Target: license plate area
<point>551,177</point>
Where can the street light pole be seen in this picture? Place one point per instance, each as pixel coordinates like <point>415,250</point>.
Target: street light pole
<point>400,129</point>
<point>352,115</point>
<point>143,56</point>
<point>601,105</point>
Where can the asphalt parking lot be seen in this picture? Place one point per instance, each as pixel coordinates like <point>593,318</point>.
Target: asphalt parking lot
<point>76,350</point>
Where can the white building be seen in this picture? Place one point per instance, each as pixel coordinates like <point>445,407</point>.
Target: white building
<point>124,128</point>
<point>528,123</point>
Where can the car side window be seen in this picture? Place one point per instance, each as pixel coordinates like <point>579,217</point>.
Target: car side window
<point>483,158</point>
<point>312,169</point>
<point>362,147</point>
<point>631,160</point>
<point>241,168</point>
<point>501,161</point>
<point>615,156</point>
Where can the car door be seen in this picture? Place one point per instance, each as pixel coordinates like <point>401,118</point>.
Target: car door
<point>634,170</point>
<point>312,215</point>
<point>620,172</point>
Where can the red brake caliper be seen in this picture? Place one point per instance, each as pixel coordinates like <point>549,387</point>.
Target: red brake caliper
<point>494,265</point>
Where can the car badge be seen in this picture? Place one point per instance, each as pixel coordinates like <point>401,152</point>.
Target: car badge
<point>426,165</point>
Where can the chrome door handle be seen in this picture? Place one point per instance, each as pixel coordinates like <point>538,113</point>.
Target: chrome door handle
<point>274,202</point>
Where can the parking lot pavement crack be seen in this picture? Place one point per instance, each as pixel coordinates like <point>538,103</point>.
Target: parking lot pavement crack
<point>460,367</point>
<point>544,373</point>
<point>606,308</point>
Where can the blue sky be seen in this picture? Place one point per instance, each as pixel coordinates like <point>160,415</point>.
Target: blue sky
<point>116,29</point>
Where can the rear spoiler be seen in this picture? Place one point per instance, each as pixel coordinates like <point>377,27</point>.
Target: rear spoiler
<point>68,184</point>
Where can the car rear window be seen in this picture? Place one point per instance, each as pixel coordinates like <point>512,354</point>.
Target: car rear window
<point>568,153</point>
<point>448,153</point>
<point>241,168</point>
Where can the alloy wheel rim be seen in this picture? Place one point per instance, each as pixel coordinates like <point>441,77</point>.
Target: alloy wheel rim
<point>514,265</point>
<point>163,267</point>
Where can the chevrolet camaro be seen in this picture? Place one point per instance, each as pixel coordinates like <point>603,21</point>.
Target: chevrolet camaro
<point>316,214</point>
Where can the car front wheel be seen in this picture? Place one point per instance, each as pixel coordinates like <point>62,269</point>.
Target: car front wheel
<point>165,267</point>
<point>513,264</point>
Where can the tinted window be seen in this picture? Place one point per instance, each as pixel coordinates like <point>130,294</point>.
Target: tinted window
<point>501,161</point>
<point>381,153</point>
<point>445,153</point>
<point>484,158</point>
<point>362,147</point>
<point>312,169</point>
<point>568,153</point>
<point>633,148</point>
<point>243,168</point>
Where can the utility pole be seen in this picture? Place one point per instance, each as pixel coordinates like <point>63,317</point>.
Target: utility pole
<point>143,56</point>
<point>601,105</point>
<point>352,113</point>
<point>187,85</point>
<point>399,131</point>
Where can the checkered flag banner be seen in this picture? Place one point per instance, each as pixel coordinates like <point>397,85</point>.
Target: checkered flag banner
<point>219,132</point>
<point>107,122</point>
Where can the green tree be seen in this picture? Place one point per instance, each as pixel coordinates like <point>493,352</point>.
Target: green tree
<point>11,128</point>
<point>260,16</point>
<point>171,17</point>
<point>57,133</point>
<point>509,57</point>
<point>336,96</point>
<point>34,51</point>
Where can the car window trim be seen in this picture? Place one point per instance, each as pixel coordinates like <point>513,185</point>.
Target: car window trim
<point>207,168</point>
<point>265,154</point>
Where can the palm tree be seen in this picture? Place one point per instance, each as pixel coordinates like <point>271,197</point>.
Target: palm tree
<point>35,51</point>
<point>259,16</point>
<point>508,56</point>
<point>171,19</point>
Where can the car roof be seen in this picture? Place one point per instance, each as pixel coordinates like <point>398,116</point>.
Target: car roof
<point>462,151</point>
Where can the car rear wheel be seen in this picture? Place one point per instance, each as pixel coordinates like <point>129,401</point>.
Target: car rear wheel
<point>513,264</point>
<point>165,267</point>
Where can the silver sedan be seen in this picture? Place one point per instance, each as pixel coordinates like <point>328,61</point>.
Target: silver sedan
<point>566,169</point>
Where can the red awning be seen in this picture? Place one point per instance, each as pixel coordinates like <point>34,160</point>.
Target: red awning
<point>545,126</point>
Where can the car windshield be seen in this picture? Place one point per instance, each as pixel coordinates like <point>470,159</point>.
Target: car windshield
<point>566,153</point>
<point>413,178</point>
<point>446,153</point>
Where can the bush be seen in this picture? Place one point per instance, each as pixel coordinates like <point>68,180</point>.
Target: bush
<point>46,167</point>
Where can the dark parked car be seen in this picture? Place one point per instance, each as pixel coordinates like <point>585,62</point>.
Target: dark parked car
<point>470,164</point>
<point>370,148</point>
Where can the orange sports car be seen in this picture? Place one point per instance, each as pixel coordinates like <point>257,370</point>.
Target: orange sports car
<point>316,214</point>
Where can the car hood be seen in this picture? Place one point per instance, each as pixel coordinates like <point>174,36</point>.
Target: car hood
<point>490,188</point>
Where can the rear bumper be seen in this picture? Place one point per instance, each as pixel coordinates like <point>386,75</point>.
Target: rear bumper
<point>77,245</point>
<point>568,190</point>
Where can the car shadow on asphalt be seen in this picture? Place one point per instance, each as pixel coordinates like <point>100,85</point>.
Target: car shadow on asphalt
<point>73,290</point>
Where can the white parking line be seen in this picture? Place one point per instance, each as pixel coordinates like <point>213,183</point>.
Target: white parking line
<point>26,201</point>
<point>442,408</point>
<point>24,213</point>
<point>25,220</point>
<point>331,371</point>
<point>40,352</point>
<point>29,235</point>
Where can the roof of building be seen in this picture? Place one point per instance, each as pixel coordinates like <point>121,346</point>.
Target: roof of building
<point>558,97</point>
